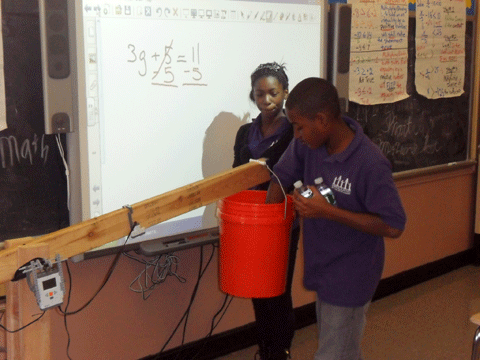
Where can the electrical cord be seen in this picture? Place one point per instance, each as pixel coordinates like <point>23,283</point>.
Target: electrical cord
<point>192,298</point>
<point>105,280</point>
<point>201,272</point>
<point>158,275</point>
<point>221,312</point>
<point>198,283</point>
<point>67,171</point>
<point>23,327</point>
<point>223,309</point>
<point>65,312</point>
<point>155,282</point>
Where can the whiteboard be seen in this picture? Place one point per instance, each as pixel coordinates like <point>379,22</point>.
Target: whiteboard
<point>163,87</point>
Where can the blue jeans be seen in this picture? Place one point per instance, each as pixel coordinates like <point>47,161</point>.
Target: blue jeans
<point>340,331</point>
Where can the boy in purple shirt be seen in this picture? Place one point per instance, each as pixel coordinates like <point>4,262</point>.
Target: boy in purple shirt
<point>343,244</point>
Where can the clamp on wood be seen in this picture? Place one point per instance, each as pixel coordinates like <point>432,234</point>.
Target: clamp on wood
<point>136,229</point>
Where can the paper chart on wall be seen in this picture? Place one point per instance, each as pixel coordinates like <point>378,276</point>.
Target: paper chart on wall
<point>440,48</point>
<point>378,51</point>
<point>3,107</point>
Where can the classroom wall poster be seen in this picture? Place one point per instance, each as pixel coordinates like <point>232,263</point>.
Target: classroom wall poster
<point>3,107</point>
<point>378,51</point>
<point>469,4</point>
<point>440,48</point>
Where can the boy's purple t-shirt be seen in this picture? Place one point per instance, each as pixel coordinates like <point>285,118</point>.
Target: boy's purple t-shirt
<point>344,265</point>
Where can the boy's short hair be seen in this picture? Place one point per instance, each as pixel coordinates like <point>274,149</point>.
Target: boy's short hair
<point>312,96</point>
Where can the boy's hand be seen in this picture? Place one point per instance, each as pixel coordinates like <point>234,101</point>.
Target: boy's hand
<point>311,207</point>
<point>318,207</point>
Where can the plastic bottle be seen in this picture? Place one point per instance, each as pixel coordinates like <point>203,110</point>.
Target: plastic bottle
<point>302,189</point>
<point>325,191</point>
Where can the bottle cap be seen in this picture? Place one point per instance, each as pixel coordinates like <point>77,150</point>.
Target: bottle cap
<point>298,184</point>
<point>318,180</point>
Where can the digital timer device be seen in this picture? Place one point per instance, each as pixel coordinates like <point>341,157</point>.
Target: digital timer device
<point>49,290</point>
<point>47,284</point>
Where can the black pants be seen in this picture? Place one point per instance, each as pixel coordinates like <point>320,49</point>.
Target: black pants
<point>274,316</point>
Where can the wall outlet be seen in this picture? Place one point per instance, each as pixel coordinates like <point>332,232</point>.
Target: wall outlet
<point>61,123</point>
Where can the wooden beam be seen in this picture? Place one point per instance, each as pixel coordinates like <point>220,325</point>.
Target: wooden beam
<point>90,234</point>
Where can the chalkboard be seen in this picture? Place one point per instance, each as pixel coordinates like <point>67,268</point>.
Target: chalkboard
<point>418,132</point>
<point>33,194</point>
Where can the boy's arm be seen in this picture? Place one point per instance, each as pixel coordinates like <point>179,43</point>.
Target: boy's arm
<point>274,193</point>
<point>318,206</point>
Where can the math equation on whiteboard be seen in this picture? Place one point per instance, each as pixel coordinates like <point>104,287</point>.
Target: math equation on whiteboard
<point>168,66</point>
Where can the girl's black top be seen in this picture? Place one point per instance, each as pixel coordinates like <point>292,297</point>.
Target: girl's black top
<point>242,154</point>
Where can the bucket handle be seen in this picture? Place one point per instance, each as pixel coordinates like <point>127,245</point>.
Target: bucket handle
<point>264,163</point>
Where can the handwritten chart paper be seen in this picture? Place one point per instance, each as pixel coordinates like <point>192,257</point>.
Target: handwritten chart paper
<point>440,48</point>
<point>378,51</point>
<point>3,107</point>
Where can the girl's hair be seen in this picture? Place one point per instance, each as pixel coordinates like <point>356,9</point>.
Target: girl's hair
<point>314,95</point>
<point>269,69</point>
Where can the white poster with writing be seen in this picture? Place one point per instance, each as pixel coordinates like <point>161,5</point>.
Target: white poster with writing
<point>440,48</point>
<point>378,51</point>
<point>3,107</point>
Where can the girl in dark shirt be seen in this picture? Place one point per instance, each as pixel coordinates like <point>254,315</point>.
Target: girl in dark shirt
<point>267,136</point>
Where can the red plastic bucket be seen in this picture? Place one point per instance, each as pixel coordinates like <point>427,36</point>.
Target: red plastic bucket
<point>254,244</point>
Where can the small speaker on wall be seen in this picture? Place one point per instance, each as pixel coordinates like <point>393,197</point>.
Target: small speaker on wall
<point>338,60</point>
<point>56,66</point>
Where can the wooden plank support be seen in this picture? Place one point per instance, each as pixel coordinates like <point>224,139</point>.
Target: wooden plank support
<point>33,342</point>
<point>90,234</point>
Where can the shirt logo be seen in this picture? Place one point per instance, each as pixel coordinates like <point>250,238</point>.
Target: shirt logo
<point>343,186</point>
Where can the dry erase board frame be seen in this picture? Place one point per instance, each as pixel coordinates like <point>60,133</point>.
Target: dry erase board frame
<point>139,55</point>
<point>417,133</point>
<point>33,195</point>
